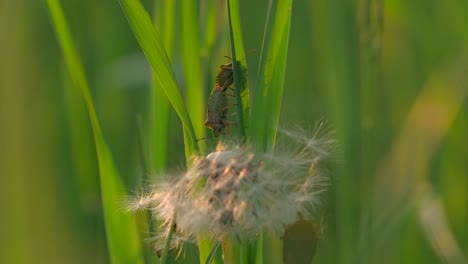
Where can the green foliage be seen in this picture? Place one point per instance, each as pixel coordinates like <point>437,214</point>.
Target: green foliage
<point>268,91</point>
<point>153,47</point>
<point>121,229</point>
<point>192,65</point>
<point>239,66</point>
<point>389,77</point>
<point>159,121</point>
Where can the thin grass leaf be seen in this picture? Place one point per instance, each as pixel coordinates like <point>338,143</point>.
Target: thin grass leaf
<point>159,120</point>
<point>121,229</point>
<point>268,92</point>
<point>239,64</point>
<point>153,48</point>
<point>168,245</point>
<point>192,67</point>
<point>205,247</point>
<point>210,28</point>
<point>197,56</point>
<point>195,96</point>
<point>81,143</point>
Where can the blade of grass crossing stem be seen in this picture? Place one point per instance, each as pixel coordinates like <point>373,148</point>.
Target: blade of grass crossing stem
<point>233,252</point>
<point>192,67</point>
<point>153,48</point>
<point>268,92</point>
<point>168,245</point>
<point>159,120</point>
<point>239,65</point>
<point>266,103</point>
<point>205,247</point>
<point>121,229</point>
<point>238,252</point>
<point>195,96</point>
<point>212,254</point>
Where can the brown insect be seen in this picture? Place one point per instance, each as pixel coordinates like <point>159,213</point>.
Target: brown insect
<point>218,103</point>
<point>225,76</point>
<point>216,112</point>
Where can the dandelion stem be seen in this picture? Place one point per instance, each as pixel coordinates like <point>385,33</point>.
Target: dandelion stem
<point>168,243</point>
<point>212,253</point>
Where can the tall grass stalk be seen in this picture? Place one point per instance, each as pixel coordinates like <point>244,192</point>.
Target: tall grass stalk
<point>239,64</point>
<point>159,119</point>
<point>268,91</point>
<point>234,253</point>
<point>266,102</point>
<point>191,61</point>
<point>121,229</point>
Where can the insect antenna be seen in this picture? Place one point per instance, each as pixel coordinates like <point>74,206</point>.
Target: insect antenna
<point>247,53</point>
<point>202,138</point>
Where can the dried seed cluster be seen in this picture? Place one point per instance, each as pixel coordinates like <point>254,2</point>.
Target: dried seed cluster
<point>236,193</point>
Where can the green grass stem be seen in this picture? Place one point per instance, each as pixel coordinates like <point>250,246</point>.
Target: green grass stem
<point>268,92</point>
<point>240,66</point>
<point>267,98</point>
<point>159,116</point>
<point>191,61</point>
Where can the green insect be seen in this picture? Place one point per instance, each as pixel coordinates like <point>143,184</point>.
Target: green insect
<point>218,105</point>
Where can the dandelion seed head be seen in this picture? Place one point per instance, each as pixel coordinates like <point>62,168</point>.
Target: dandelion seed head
<point>234,192</point>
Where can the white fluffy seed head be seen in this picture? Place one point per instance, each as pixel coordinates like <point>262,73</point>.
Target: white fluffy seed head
<point>235,193</point>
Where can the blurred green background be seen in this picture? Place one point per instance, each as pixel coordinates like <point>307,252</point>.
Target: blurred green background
<point>391,77</point>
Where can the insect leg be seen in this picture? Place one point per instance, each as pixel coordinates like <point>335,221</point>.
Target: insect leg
<point>227,83</point>
<point>228,106</point>
<point>228,94</point>
<point>229,124</point>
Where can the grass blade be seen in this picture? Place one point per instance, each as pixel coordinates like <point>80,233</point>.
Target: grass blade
<point>168,245</point>
<point>212,254</point>
<point>158,133</point>
<point>192,66</point>
<point>195,96</point>
<point>268,92</point>
<point>153,48</point>
<point>211,24</point>
<point>121,229</point>
<point>266,103</point>
<point>240,66</point>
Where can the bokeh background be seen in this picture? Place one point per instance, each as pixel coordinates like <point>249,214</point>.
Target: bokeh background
<point>390,76</point>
